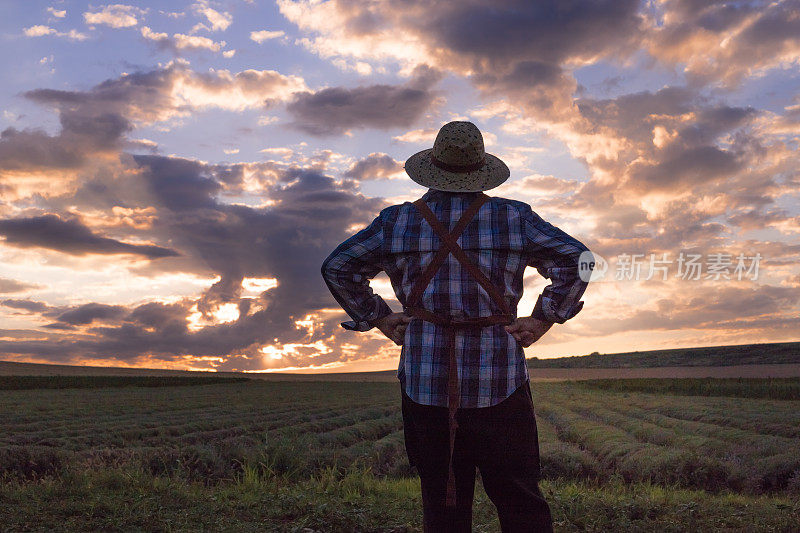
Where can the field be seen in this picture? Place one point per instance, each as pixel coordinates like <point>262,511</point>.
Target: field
<point>776,353</point>
<point>329,456</point>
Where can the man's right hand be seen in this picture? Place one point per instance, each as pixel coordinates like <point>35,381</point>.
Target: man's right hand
<point>393,326</point>
<point>528,329</point>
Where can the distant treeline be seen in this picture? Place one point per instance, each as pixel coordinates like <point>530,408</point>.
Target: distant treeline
<point>96,382</point>
<point>743,354</point>
<point>766,388</point>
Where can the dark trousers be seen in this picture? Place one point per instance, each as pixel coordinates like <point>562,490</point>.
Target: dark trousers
<point>501,441</point>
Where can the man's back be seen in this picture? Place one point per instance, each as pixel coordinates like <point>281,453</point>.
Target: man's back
<point>503,239</point>
<point>460,342</point>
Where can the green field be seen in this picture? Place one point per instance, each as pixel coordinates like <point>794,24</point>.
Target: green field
<point>96,382</point>
<point>282,456</point>
<point>740,354</point>
<point>768,388</point>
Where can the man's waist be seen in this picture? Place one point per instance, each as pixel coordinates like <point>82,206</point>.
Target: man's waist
<point>458,320</point>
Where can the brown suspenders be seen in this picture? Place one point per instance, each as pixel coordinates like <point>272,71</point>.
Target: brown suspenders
<point>414,309</point>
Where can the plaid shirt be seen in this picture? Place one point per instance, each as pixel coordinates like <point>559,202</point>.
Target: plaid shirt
<point>503,239</point>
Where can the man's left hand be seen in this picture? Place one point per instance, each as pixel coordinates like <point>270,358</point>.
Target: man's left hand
<point>393,326</point>
<point>528,329</point>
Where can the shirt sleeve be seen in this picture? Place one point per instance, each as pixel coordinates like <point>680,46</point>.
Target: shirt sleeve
<point>555,255</point>
<point>347,271</point>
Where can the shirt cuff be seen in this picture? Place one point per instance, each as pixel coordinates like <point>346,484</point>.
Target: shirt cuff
<point>364,325</point>
<point>540,314</point>
<point>352,325</point>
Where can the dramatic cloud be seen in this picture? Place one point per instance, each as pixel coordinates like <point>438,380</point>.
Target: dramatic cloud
<point>96,120</point>
<point>88,313</point>
<point>26,305</point>
<point>70,236</point>
<point>8,286</point>
<point>286,241</point>
<point>336,110</point>
<point>374,166</point>
<point>640,127</point>
<point>729,41</point>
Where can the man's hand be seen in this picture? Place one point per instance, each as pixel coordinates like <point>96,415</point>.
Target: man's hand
<point>528,330</point>
<point>393,326</point>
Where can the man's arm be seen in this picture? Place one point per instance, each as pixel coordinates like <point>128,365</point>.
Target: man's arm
<point>347,271</point>
<point>555,255</point>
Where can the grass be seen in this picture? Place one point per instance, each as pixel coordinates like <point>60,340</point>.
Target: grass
<point>356,500</point>
<point>330,456</point>
<point>94,382</point>
<point>743,354</point>
<point>768,388</point>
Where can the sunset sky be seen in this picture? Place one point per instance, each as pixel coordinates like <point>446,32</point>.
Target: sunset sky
<point>171,180</point>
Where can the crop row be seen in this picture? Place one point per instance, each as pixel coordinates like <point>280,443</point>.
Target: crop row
<point>214,432</point>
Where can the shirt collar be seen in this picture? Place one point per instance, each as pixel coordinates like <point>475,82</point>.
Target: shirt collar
<point>434,194</point>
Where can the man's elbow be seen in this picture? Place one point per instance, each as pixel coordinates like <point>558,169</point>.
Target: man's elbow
<point>327,268</point>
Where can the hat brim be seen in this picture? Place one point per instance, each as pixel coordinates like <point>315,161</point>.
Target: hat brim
<point>420,169</point>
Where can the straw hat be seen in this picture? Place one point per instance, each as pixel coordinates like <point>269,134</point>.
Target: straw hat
<point>458,161</point>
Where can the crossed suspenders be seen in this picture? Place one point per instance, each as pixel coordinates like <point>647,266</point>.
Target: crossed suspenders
<point>414,309</point>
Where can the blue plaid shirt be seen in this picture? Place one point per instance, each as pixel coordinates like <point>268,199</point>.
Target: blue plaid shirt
<point>503,239</point>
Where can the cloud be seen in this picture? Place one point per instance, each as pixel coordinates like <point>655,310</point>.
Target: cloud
<point>707,307</point>
<point>287,241</point>
<point>182,42</point>
<point>661,169</point>
<point>545,185</point>
<point>115,16</point>
<point>425,136</point>
<point>70,236</point>
<point>726,43</point>
<point>12,285</point>
<point>641,148</point>
<point>219,20</point>
<point>27,305</point>
<point>88,313</point>
<point>81,136</point>
<point>41,30</point>
<point>265,35</point>
<point>38,31</point>
<point>375,166</point>
<point>195,42</point>
<point>95,121</point>
<point>502,48</point>
<point>335,110</point>
<point>151,35</point>
<point>58,13</point>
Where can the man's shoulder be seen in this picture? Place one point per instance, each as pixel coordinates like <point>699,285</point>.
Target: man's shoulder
<point>517,205</point>
<point>392,211</point>
<point>494,202</point>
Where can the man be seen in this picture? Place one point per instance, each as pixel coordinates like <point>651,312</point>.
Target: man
<point>456,259</point>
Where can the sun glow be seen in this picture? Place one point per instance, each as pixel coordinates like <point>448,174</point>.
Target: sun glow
<point>293,349</point>
<point>223,314</point>
<point>255,286</point>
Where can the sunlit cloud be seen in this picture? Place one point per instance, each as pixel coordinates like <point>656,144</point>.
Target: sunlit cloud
<point>39,30</point>
<point>265,35</point>
<point>219,20</point>
<point>57,13</point>
<point>175,213</point>
<point>115,16</point>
